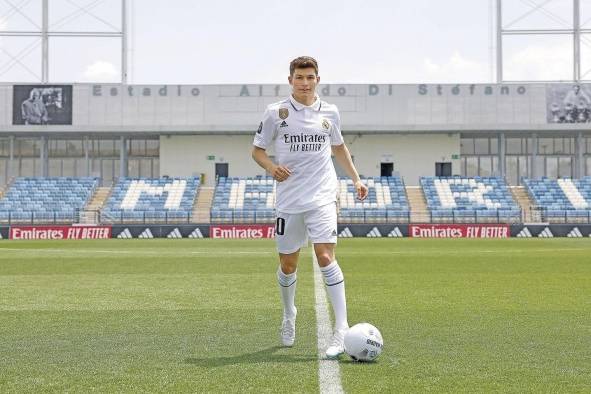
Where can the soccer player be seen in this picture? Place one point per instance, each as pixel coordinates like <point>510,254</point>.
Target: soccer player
<point>304,131</point>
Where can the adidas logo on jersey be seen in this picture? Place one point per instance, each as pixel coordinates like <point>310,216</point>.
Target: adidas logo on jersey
<point>283,124</point>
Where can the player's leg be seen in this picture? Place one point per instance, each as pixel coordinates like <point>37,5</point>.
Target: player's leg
<point>290,236</point>
<point>335,286</point>
<point>322,228</point>
<point>287,278</point>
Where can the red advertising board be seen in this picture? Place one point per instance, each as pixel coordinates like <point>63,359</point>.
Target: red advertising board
<point>242,231</point>
<point>459,231</point>
<point>60,232</point>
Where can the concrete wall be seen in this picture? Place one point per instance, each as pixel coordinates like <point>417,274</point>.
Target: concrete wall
<point>211,109</point>
<point>188,155</point>
<point>413,155</point>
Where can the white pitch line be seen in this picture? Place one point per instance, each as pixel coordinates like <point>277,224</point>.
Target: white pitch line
<point>329,373</point>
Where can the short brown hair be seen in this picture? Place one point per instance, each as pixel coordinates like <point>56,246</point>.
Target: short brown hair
<point>303,62</point>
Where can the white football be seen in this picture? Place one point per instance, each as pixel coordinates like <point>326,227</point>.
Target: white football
<point>363,342</point>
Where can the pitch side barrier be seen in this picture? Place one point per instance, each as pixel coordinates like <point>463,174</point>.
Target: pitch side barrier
<point>260,231</point>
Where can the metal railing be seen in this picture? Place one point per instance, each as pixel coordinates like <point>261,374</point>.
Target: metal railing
<point>537,214</point>
<point>35,217</point>
<point>476,216</point>
<point>561,215</point>
<point>144,217</point>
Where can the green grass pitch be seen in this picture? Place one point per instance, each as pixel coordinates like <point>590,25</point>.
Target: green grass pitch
<point>203,315</point>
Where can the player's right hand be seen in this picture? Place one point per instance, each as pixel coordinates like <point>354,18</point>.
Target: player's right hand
<point>280,173</point>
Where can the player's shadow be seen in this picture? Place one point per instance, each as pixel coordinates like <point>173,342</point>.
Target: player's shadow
<point>262,356</point>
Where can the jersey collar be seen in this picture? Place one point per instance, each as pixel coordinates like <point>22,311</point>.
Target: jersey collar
<point>316,105</point>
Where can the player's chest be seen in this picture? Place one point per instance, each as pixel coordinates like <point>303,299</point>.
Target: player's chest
<point>304,122</point>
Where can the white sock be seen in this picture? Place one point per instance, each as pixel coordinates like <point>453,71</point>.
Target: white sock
<point>335,285</point>
<point>287,287</point>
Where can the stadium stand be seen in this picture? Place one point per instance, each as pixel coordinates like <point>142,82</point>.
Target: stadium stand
<point>386,201</point>
<point>244,200</point>
<point>561,200</point>
<point>248,200</point>
<point>470,200</point>
<point>151,200</point>
<point>46,200</point>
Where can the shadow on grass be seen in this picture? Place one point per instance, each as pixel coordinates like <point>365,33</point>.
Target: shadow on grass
<point>262,356</point>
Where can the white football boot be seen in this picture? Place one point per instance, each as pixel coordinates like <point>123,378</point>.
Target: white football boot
<point>337,346</point>
<point>288,331</point>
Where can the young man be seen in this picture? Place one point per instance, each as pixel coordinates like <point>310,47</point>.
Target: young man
<point>304,132</point>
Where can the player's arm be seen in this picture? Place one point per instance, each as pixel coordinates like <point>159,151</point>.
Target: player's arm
<point>280,173</point>
<point>343,158</point>
<point>262,140</point>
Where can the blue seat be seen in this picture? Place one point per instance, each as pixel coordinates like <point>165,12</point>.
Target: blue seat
<point>469,199</point>
<point>154,199</point>
<point>43,199</point>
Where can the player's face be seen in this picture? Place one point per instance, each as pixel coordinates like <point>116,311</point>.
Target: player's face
<point>303,83</point>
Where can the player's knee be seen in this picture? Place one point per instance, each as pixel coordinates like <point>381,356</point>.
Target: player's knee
<point>288,268</point>
<point>289,263</point>
<point>324,258</point>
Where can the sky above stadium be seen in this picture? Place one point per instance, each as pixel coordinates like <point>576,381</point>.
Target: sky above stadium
<point>355,41</point>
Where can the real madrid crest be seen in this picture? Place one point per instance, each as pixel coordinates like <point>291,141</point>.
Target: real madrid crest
<point>325,124</point>
<point>283,113</point>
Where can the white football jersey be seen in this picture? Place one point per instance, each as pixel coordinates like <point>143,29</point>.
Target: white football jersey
<point>302,137</point>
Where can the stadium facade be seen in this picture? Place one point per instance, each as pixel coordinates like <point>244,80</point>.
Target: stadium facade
<point>509,130</point>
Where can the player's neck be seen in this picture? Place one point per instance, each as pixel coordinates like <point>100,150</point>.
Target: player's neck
<point>306,100</point>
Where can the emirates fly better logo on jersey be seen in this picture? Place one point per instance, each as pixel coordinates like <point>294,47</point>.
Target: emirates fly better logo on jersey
<point>305,142</point>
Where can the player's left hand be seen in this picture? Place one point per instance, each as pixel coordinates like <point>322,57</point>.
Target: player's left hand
<point>361,190</point>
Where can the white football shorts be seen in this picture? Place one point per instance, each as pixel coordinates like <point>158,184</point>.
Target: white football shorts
<point>292,230</point>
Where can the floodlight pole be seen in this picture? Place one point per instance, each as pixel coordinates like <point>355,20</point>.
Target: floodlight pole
<point>124,42</point>
<point>574,31</point>
<point>576,41</point>
<point>45,32</point>
<point>499,43</point>
<point>45,43</point>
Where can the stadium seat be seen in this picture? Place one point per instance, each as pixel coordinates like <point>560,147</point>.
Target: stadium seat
<point>244,200</point>
<point>46,199</point>
<point>561,200</point>
<point>469,199</point>
<point>167,200</point>
<point>386,201</point>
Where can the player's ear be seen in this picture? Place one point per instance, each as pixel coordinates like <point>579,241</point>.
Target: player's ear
<point>318,79</point>
<point>290,79</point>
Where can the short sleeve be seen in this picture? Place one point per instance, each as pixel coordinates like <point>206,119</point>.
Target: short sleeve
<point>266,131</point>
<point>336,138</point>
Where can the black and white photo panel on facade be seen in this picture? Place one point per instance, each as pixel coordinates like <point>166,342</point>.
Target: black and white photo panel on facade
<point>568,103</point>
<point>42,105</point>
